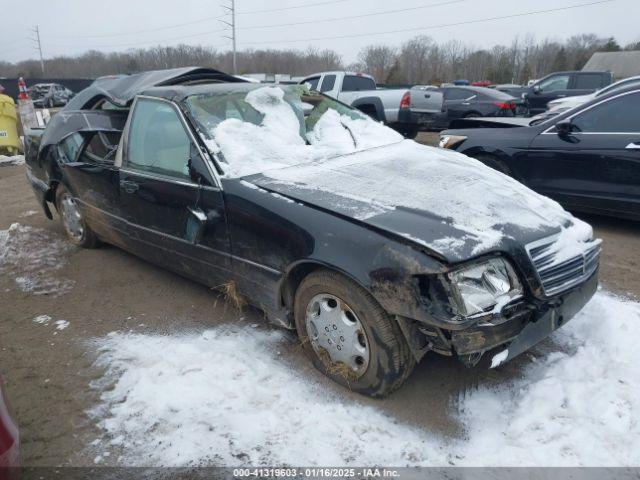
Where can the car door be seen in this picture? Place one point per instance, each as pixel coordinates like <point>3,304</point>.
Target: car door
<point>555,86</point>
<point>425,99</point>
<point>89,172</point>
<point>596,165</point>
<point>459,102</point>
<point>169,194</point>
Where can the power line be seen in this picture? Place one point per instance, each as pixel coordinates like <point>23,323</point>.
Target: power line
<point>290,8</point>
<point>351,17</point>
<point>428,27</point>
<point>194,22</point>
<point>136,32</point>
<point>146,42</point>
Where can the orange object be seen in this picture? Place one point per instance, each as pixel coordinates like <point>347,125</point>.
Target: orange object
<point>22,87</point>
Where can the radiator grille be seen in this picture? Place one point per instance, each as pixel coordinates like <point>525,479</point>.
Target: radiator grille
<point>558,277</point>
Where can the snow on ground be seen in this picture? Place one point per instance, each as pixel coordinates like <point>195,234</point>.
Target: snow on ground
<point>32,256</point>
<point>224,397</point>
<point>11,160</point>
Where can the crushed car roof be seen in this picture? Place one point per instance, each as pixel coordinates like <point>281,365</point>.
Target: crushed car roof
<point>121,89</point>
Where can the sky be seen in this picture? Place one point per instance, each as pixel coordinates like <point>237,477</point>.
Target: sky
<point>73,26</point>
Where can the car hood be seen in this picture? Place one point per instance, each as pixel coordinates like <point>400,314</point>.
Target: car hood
<point>438,200</point>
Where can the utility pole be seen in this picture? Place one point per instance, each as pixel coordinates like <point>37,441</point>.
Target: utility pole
<point>38,45</point>
<point>232,10</point>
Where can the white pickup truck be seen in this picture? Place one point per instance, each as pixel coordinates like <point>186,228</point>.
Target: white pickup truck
<point>405,110</point>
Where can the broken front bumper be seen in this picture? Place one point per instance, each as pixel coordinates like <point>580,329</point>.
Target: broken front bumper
<point>526,327</point>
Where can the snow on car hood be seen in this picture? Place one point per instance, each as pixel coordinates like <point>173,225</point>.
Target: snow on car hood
<point>452,204</point>
<point>442,200</point>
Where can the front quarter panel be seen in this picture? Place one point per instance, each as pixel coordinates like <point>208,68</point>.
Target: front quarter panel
<point>271,235</point>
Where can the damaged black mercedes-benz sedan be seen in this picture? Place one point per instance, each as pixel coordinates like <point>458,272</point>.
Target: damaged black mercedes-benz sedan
<point>374,248</point>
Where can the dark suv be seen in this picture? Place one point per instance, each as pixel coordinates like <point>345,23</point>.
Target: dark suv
<point>563,84</point>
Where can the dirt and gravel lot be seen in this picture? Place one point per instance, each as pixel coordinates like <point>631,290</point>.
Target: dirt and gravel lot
<point>48,367</point>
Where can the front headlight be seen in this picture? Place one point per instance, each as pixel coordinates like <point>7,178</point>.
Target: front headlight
<point>450,141</point>
<point>484,286</point>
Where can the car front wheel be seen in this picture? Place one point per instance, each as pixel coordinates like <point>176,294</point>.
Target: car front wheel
<point>349,337</point>
<point>75,226</point>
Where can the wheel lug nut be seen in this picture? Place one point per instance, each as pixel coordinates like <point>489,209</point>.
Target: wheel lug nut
<point>339,347</point>
<point>335,328</point>
<point>326,328</point>
<point>342,339</point>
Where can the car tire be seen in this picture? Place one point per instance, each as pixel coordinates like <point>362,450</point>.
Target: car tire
<point>74,225</point>
<point>348,316</point>
<point>495,163</point>
<point>408,132</point>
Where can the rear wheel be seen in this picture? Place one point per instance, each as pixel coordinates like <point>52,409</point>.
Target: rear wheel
<point>349,337</point>
<point>75,226</point>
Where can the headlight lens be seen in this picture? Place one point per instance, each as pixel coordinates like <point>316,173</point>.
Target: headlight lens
<point>450,141</point>
<point>485,285</point>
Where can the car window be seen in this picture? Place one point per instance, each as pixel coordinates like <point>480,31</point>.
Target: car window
<point>101,147</point>
<point>158,142</point>
<point>354,83</point>
<point>557,82</point>
<point>618,115</point>
<point>328,83</point>
<point>70,147</point>
<point>458,94</point>
<point>313,82</point>
<point>588,81</point>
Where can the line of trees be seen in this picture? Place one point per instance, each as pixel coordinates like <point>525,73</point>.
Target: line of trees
<point>419,60</point>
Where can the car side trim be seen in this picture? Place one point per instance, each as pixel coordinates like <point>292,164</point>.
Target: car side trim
<point>182,240</point>
<point>166,178</point>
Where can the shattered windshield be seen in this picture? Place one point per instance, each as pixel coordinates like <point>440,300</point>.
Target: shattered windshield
<point>273,127</point>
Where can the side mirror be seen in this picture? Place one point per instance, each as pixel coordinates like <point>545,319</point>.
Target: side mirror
<point>564,128</point>
<point>536,89</point>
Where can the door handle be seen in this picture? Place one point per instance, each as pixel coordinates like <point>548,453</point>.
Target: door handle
<point>427,96</point>
<point>129,186</point>
<point>633,146</point>
<point>561,96</point>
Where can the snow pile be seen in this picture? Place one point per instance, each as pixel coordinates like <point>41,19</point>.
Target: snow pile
<point>32,256</point>
<point>11,160</point>
<point>279,141</point>
<point>578,406</point>
<point>42,319</point>
<point>224,398</point>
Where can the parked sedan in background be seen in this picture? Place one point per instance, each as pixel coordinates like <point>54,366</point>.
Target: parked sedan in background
<point>9,437</point>
<point>471,102</point>
<point>587,158</point>
<point>330,222</point>
<point>49,95</point>
<point>562,85</point>
<point>560,105</point>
